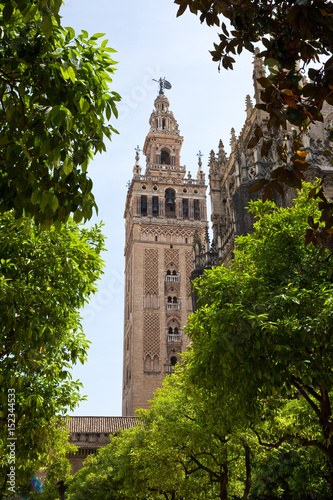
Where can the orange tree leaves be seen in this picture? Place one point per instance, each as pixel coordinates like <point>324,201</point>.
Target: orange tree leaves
<point>55,104</point>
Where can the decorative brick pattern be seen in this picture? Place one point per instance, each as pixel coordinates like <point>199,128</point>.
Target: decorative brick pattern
<point>151,335</point>
<point>189,269</point>
<point>171,255</point>
<point>151,271</point>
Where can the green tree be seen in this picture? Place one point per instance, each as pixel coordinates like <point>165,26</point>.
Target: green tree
<point>110,474</point>
<point>263,329</point>
<point>54,103</point>
<point>184,447</point>
<point>45,278</point>
<point>193,445</point>
<point>290,472</point>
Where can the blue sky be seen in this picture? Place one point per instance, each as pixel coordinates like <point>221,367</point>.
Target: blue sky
<point>151,43</point>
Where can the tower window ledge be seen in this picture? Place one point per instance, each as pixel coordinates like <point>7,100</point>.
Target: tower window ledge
<point>173,306</point>
<point>169,369</point>
<point>173,338</point>
<point>172,278</point>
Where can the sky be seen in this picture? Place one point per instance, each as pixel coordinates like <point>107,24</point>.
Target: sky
<point>151,43</point>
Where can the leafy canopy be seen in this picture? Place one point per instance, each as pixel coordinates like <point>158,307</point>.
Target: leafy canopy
<point>263,329</point>
<point>55,103</point>
<point>45,278</point>
<point>272,306</point>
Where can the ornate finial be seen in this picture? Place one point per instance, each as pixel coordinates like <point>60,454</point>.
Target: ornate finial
<point>199,155</point>
<point>248,102</point>
<point>222,158</point>
<point>211,157</point>
<point>233,140</point>
<point>164,84</point>
<point>137,149</point>
<point>137,168</point>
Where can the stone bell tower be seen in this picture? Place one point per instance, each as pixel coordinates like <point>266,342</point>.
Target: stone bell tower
<point>165,213</point>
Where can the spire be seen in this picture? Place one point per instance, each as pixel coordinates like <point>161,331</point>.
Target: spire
<point>137,168</point>
<point>200,173</point>
<point>162,121</point>
<point>211,157</point>
<point>233,139</point>
<point>249,106</point>
<point>258,72</point>
<point>222,157</point>
<point>163,142</point>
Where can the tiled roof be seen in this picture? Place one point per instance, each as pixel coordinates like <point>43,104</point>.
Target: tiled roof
<point>100,425</point>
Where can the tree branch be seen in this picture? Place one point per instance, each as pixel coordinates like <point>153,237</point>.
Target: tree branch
<point>311,403</point>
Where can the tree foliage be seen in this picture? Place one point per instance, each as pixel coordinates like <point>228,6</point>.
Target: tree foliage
<point>54,104</point>
<point>192,444</point>
<point>264,325</point>
<point>182,448</point>
<point>45,278</point>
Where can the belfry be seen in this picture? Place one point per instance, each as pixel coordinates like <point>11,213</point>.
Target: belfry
<point>165,214</point>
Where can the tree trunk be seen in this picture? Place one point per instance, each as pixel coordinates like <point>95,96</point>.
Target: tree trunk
<point>327,428</point>
<point>248,472</point>
<point>224,482</point>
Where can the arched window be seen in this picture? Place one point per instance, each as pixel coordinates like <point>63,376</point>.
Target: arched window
<point>148,364</point>
<point>175,300</point>
<point>185,208</point>
<point>143,205</point>
<point>174,272</point>
<point>170,203</point>
<point>170,331</point>
<point>168,272</point>
<point>169,300</point>
<point>173,360</point>
<point>165,157</point>
<point>155,205</point>
<point>196,207</point>
<point>156,364</point>
<point>175,331</point>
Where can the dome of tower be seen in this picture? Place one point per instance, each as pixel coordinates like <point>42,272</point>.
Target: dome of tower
<point>161,103</point>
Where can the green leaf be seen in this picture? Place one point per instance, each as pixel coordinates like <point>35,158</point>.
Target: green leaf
<point>84,105</point>
<point>71,73</point>
<point>7,11</point>
<point>47,25</point>
<point>53,201</point>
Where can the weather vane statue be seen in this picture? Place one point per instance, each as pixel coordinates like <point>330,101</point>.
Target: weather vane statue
<point>164,84</point>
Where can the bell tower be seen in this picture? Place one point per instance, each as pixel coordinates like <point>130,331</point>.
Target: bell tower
<point>165,213</point>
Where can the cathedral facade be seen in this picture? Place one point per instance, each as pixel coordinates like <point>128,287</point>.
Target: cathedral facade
<point>165,213</point>
<point>231,177</point>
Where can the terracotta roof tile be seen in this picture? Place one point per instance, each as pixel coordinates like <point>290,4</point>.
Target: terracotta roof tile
<point>99,425</point>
